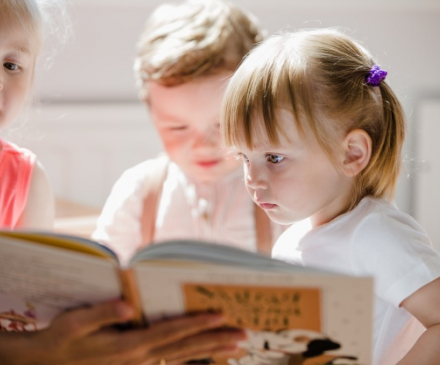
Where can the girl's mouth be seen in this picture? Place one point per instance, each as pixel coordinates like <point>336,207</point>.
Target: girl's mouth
<point>267,206</point>
<point>208,164</point>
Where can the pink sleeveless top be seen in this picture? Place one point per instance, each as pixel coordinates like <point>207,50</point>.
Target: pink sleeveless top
<point>16,165</point>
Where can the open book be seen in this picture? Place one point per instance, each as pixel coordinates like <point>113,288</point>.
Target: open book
<point>292,314</point>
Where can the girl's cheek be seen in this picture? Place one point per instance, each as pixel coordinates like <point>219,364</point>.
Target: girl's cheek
<point>175,144</point>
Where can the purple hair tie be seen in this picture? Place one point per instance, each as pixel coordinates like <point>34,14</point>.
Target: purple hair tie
<point>375,76</point>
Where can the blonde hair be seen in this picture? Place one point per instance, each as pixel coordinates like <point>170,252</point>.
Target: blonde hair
<point>27,14</point>
<point>186,40</point>
<point>320,76</point>
<point>41,19</point>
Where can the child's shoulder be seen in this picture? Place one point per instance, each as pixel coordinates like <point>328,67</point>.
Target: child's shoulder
<point>147,168</point>
<point>15,159</point>
<point>379,225</point>
<point>12,149</point>
<point>377,213</point>
<point>136,179</point>
<point>391,246</point>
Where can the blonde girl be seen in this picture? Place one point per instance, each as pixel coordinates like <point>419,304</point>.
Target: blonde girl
<point>25,195</point>
<point>320,133</point>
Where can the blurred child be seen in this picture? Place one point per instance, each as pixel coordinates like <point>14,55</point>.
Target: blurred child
<point>320,134</point>
<point>82,335</point>
<point>185,57</point>
<point>25,195</point>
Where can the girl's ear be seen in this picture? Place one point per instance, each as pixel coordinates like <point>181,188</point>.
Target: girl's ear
<point>357,147</point>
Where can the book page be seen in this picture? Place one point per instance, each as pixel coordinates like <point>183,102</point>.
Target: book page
<point>258,307</point>
<point>37,282</point>
<point>289,318</point>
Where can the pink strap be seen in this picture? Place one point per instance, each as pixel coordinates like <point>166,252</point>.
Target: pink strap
<point>152,196</point>
<point>264,234</point>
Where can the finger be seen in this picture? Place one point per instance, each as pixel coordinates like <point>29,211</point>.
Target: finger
<point>137,343</point>
<point>217,353</point>
<point>173,330</point>
<point>83,321</point>
<point>200,345</point>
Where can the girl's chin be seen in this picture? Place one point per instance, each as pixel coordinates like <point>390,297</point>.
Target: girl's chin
<point>205,178</point>
<point>279,218</point>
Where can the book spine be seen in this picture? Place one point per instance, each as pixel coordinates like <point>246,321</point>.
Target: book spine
<point>131,295</point>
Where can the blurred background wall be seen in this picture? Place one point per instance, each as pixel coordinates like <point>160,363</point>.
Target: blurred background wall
<point>89,126</point>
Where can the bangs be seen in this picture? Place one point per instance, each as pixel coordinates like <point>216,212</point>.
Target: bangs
<point>27,15</point>
<point>271,78</point>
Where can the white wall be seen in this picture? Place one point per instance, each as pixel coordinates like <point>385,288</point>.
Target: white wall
<point>96,65</point>
<point>426,192</point>
<point>85,147</point>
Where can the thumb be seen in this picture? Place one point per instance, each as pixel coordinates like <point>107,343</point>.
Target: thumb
<point>83,321</point>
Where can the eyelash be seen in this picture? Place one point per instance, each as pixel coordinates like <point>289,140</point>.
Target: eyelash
<point>179,129</point>
<point>14,65</point>
<point>270,155</point>
<point>268,158</point>
<point>240,156</point>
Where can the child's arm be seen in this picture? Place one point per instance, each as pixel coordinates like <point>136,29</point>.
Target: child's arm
<point>39,210</point>
<point>424,305</point>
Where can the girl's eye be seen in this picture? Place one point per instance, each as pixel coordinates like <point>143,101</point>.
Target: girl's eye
<point>275,158</point>
<point>242,157</point>
<point>11,66</point>
<point>179,128</point>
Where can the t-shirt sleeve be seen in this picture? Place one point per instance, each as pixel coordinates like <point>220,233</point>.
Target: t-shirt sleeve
<point>118,225</point>
<point>396,251</point>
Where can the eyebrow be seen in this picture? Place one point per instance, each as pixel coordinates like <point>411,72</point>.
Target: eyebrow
<point>20,51</point>
<point>23,49</point>
<point>166,117</point>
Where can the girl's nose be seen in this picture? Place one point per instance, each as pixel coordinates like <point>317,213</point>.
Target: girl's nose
<point>207,138</point>
<point>255,179</point>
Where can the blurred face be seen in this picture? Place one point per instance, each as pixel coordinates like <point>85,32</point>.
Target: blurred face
<point>16,72</point>
<point>187,119</point>
<point>295,180</point>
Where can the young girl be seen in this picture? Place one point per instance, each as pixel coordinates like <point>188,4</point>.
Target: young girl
<point>25,195</point>
<point>81,335</point>
<point>186,54</point>
<point>320,134</point>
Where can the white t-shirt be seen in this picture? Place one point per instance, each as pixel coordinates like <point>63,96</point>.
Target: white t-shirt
<point>222,212</point>
<point>374,239</point>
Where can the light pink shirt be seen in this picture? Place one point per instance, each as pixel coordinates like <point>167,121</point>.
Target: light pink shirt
<point>221,212</point>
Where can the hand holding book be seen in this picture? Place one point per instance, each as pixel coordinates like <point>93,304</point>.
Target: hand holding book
<point>83,335</point>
